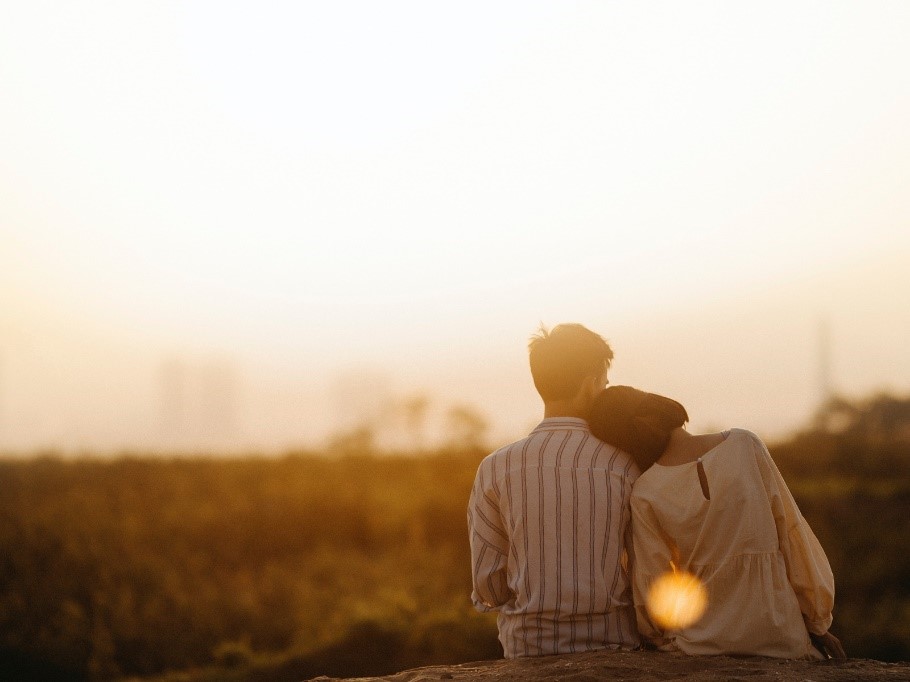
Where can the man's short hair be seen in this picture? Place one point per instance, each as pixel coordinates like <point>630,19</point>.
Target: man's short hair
<point>563,357</point>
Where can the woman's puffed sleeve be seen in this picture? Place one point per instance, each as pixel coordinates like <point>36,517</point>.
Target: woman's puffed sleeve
<point>807,565</point>
<point>653,554</point>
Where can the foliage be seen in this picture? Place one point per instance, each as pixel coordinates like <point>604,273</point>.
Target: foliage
<point>283,569</point>
<point>850,474</point>
<point>141,565</point>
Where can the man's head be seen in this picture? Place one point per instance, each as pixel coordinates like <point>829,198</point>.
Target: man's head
<point>569,364</point>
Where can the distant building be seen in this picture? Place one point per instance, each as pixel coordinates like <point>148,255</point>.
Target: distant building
<point>172,403</point>
<point>198,405</point>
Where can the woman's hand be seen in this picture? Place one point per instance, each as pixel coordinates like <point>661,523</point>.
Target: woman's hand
<point>829,645</point>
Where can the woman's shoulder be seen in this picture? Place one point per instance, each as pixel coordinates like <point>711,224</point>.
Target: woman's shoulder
<point>744,436</point>
<point>748,446</point>
<point>645,493</point>
<point>644,484</point>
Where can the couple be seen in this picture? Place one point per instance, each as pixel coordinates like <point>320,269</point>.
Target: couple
<point>571,526</point>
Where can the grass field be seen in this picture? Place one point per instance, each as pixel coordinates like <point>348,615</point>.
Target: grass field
<point>280,569</point>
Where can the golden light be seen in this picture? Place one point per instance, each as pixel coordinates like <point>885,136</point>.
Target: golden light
<point>676,600</point>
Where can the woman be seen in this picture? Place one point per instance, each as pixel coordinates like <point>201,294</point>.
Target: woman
<point>716,506</point>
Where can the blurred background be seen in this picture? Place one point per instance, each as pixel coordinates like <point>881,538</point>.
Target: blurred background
<point>261,258</point>
<point>222,222</point>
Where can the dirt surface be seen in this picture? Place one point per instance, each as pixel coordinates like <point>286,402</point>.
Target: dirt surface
<point>646,666</point>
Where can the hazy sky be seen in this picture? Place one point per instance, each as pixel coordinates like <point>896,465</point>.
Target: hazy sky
<point>284,216</point>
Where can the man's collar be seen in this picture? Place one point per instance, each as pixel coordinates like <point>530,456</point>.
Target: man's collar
<point>561,424</point>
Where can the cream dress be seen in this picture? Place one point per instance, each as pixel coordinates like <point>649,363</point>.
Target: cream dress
<point>767,578</point>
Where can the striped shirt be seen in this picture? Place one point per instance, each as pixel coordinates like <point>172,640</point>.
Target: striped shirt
<point>549,528</point>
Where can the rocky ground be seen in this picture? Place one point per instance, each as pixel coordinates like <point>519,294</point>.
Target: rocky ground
<point>645,666</point>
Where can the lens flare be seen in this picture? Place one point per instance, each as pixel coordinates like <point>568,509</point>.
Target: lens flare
<point>676,600</point>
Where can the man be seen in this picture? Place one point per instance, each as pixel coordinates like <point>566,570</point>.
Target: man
<point>549,515</point>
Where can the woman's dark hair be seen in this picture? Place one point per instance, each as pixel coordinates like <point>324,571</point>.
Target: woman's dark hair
<point>636,421</point>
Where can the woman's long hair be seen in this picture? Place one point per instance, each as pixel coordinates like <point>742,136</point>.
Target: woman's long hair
<point>636,421</point>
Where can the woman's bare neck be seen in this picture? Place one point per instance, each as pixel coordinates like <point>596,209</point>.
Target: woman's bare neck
<point>685,447</point>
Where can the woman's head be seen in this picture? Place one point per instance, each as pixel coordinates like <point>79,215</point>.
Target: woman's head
<point>636,421</point>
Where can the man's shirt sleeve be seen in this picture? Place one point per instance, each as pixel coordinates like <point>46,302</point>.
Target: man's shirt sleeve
<point>489,544</point>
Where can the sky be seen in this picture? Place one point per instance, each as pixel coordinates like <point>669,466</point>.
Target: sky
<point>250,226</point>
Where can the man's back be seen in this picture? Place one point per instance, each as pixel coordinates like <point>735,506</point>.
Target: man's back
<point>549,521</point>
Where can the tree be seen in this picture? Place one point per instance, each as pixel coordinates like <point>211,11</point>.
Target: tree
<point>466,427</point>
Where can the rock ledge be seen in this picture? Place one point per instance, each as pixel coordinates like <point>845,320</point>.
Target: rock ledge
<point>648,666</point>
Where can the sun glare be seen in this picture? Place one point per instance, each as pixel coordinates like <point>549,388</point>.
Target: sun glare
<point>677,600</point>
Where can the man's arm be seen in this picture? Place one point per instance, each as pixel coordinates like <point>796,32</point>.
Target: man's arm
<point>489,546</point>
